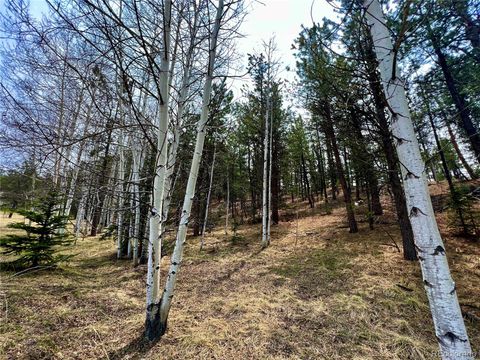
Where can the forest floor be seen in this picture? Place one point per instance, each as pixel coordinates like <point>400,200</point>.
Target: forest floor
<point>317,292</point>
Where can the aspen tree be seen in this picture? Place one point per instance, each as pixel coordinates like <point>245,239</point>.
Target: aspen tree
<point>182,100</point>
<point>441,290</point>
<point>152,324</point>
<point>177,255</point>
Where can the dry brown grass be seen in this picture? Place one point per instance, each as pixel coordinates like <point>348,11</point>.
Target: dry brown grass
<point>325,294</point>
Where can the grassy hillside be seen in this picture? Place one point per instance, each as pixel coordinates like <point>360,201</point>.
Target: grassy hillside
<point>317,292</point>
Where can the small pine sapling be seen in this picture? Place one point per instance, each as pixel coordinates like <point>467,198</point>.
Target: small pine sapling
<point>45,233</point>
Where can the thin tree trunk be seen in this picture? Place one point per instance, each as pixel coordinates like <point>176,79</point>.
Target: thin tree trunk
<point>270,150</point>
<point>208,198</point>
<point>121,202</point>
<point>462,159</point>
<point>136,160</point>
<point>265,187</point>
<point>453,192</point>
<point>347,194</point>
<point>177,255</point>
<point>331,169</point>
<point>227,204</point>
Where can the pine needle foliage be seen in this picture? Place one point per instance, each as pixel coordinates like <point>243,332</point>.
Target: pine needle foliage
<point>45,234</point>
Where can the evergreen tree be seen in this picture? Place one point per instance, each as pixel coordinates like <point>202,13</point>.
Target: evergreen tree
<point>44,234</point>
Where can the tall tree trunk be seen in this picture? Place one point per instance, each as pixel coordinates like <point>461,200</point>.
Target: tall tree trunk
<point>409,252</point>
<point>266,179</point>
<point>136,160</point>
<point>307,183</point>
<point>441,290</point>
<point>270,150</point>
<point>153,324</point>
<point>208,197</point>
<point>81,211</point>
<point>347,193</point>
<point>227,204</point>
<point>368,167</point>
<point>321,167</point>
<point>331,169</point>
<point>462,159</point>
<point>453,192</point>
<point>102,182</point>
<point>177,255</point>
<point>121,201</point>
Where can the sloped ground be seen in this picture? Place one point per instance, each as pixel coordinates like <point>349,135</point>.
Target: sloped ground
<point>317,292</point>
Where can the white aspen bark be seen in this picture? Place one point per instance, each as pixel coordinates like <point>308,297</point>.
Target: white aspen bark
<point>136,164</point>
<point>131,223</point>
<point>182,99</point>
<point>177,255</point>
<point>227,203</point>
<point>108,204</point>
<point>208,198</point>
<point>441,290</point>
<point>172,159</point>
<point>152,329</point>
<point>120,204</point>
<point>73,181</point>
<point>58,153</point>
<point>265,240</point>
<point>81,212</point>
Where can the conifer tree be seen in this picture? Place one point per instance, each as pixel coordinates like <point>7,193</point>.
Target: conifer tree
<point>44,233</point>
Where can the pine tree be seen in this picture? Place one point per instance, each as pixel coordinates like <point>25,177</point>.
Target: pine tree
<point>44,233</point>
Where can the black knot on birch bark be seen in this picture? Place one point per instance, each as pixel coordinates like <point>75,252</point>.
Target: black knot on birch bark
<point>421,258</point>
<point>449,337</point>
<point>174,263</point>
<point>411,175</point>
<point>454,289</point>
<point>439,251</point>
<point>416,212</point>
<point>401,141</point>
<point>427,284</point>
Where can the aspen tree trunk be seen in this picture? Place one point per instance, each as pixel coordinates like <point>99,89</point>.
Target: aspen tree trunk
<point>409,252</point>
<point>81,211</point>
<point>120,203</point>
<point>265,239</point>
<point>208,197</point>
<point>441,290</point>
<point>136,159</point>
<point>153,328</point>
<point>69,133</point>
<point>182,100</point>
<point>177,255</point>
<point>102,182</point>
